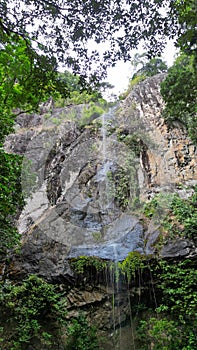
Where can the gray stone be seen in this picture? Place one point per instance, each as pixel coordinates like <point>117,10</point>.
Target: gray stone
<point>179,248</point>
<point>80,177</point>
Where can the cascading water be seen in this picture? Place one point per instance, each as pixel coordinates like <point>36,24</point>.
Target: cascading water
<point>106,163</point>
<point>114,280</point>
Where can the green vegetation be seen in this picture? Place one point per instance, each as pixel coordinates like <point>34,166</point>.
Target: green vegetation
<point>159,334</point>
<point>27,79</point>
<point>11,199</point>
<point>133,141</point>
<point>177,217</point>
<point>179,91</point>
<point>132,83</point>
<point>93,111</point>
<point>26,310</point>
<point>177,281</point>
<point>81,336</point>
<point>134,263</point>
<point>76,91</point>
<point>119,186</point>
<point>34,312</point>
<point>148,68</point>
<point>123,184</point>
<point>22,86</point>
<point>81,264</point>
<point>172,324</point>
<point>169,322</point>
<point>68,37</point>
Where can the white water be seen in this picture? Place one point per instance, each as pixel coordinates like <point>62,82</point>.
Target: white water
<point>107,159</point>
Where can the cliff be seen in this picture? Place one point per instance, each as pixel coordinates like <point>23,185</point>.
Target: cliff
<point>86,183</point>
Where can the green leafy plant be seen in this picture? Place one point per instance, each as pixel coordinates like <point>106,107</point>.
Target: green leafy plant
<point>92,111</point>
<point>11,199</point>
<point>179,91</point>
<point>83,262</point>
<point>134,262</point>
<point>172,323</point>
<point>27,309</point>
<point>159,334</point>
<point>177,282</point>
<point>81,335</point>
<point>177,217</point>
<point>123,184</point>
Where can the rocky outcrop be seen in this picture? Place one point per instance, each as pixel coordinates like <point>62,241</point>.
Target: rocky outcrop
<point>83,184</point>
<point>169,157</point>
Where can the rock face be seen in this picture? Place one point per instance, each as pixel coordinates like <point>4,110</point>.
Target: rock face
<point>83,184</point>
<point>83,187</point>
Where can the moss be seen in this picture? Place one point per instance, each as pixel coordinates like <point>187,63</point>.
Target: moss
<point>133,262</point>
<point>91,112</point>
<point>79,265</point>
<point>133,82</point>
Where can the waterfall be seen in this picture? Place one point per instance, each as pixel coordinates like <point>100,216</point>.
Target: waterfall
<point>107,160</point>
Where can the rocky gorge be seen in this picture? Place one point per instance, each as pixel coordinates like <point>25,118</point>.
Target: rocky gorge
<point>86,180</point>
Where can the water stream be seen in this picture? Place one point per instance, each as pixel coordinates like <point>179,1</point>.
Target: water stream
<point>116,253</point>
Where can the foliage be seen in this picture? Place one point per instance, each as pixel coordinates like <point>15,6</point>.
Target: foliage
<point>123,184</point>
<point>120,184</point>
<point>186,214</point>
<point>26,79</point>
<point>172,325</point>
<point>22,86</point>
<point>159,334</point>
<point>179,88</point>
<point>133,262</point>
<point>81,335</point>
<point>179,91</point>
<point>34,312</point>
<point>92,111</point>
<point>64,28</point>
<point>83,262</point>
<point>132,83</point>
<point>133,141</point>
<point>158,206</point>
<point>147,67</point>
<point>187,33</point>
<point>82,97</point>
<point>177,281</point>
<point>11,198</point>
<point>76,90</point>
<point>177,217</point>
<point>27,308</point>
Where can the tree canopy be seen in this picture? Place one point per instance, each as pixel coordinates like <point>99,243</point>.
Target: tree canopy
<point>66,29</point>
<point>147,67</point>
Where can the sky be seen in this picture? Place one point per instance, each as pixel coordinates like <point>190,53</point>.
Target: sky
<point>119,75</point>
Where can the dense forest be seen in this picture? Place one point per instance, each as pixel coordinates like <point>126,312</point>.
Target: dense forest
<point>36,37</point>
